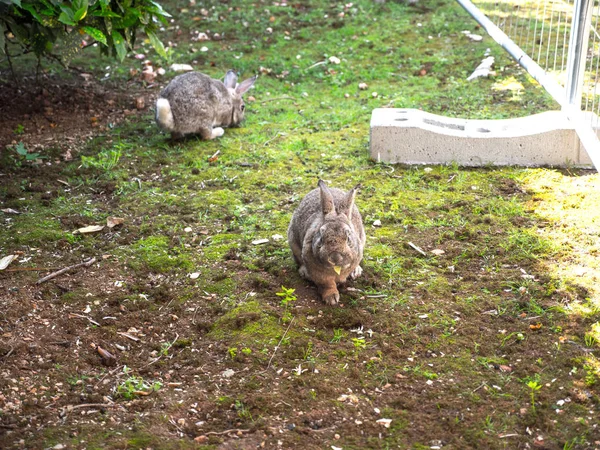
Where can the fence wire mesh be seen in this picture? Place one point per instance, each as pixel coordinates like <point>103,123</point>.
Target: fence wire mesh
<point>541,28</point>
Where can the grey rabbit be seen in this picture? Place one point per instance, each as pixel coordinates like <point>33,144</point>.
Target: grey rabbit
<point>327,238</point>
<point>194,103</point>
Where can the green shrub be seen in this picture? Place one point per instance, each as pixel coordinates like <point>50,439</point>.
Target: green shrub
<point>52,27</point>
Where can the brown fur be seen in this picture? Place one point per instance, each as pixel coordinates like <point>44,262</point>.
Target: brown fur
<point>202,105</point>
<point>322,235</point>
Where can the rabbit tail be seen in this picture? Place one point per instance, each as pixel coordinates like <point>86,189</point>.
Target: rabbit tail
<point>164,116</point>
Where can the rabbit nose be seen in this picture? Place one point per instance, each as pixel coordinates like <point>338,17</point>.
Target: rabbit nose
<point>336,258</point>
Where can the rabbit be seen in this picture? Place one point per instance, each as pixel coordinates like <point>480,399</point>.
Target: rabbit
<point>194,103</point>
<point>327,238</point>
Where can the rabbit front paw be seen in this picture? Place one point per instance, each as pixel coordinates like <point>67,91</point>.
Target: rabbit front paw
<point>217,132</point>
<point>357,272</point>
<point>303,272</point>
<point>331,297</point>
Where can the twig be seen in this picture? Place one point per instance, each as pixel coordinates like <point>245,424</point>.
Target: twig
<point>31,269</point>
<point>285,97</point>
<point>87,263</point>
<point>157,359</point>
<point>129,336</point>
<point>218,433</point>
<point>482,385</point>
<point>194,318</point>
<point>273,138</point>
<point>417,248</point>
<point>280,341</point>
<point>109,373</point>
<point>502,436</point>
<point>316,64</point>
<point>85,317</point>
<point>91,405</point>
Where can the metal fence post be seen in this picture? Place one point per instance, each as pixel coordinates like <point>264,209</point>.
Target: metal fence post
<point>578,47</point>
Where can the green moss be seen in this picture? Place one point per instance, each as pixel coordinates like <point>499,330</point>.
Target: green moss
<point>155,254</point>
<point>248,324</point>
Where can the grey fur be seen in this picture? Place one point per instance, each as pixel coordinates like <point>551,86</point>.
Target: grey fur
<point>202,105</point>
<point>322,236</point>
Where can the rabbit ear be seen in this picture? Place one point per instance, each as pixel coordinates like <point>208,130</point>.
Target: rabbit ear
<point>345,207</point>
<point>326,199</point>
<point>230,79</point>
<point>245,85</point>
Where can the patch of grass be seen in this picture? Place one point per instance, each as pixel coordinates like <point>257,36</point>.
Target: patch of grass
<point>155,254</point>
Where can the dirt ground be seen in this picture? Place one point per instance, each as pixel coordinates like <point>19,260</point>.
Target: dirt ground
<point>175,337</point>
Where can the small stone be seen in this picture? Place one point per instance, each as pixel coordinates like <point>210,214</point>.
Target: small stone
<point>204,49</point>
<point>201,439</point>
<point>363,86</point>
<point>334,60</point>
<point>188,229</point>
<point>346,95</point>
<point>377,223</point>
<point>374,94</point>
<point>438,252</point>
<point>194,275</point>
<point>161,71</point>
<point>277,237</point>
<point>260,241</point>
<point>251,99</point>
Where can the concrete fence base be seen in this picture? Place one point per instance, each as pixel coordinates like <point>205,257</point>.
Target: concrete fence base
<point>412,136</point>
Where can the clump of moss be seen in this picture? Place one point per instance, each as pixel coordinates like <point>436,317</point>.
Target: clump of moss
<point>154,253</point>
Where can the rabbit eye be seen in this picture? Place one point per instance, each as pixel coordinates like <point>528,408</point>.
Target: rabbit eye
<point>243,107</point>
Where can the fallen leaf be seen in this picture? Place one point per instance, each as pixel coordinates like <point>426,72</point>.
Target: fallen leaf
<point>504,368</point>
<point>107,357</point>
<point>4,262</point>
<point>112,222</point>
<point>385,422</point>
<point>536,326</point>
<point>90,229</point>
<point>438,252</point>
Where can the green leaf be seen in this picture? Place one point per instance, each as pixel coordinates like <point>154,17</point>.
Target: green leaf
<point>29,7</point>
<point>81,11</point>
<point>105,13</point>
<point>96,34</point>
<point>20,149</point>
<point>158,10</point>
<point>157,44</point>
<point>66,16</point>
<point>16,2</point>
<point>120,45</point>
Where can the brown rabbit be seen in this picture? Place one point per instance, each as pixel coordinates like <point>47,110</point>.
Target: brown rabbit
<point>327,238</point>
<point>194,103</point>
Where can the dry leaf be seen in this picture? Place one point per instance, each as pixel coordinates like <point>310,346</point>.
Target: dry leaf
<point>5,262</point>
<point>112,222</point>
<point>536,326</point>
<point>438,252</point>
<point>107,357</point>
<point>90,229</point>
<point>504,368</point>
<point>385,422</point>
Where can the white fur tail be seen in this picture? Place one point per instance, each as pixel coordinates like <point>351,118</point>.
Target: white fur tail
<point>164,116</point>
